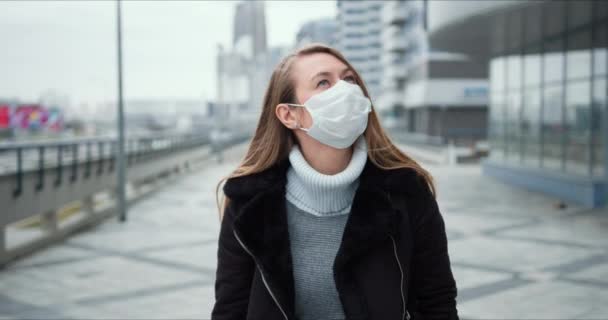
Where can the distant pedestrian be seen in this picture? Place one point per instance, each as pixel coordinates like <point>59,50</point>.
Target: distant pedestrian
<point>324,218</point>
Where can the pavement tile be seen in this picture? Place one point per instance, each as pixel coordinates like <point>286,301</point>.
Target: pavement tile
<point>514,255</point>
<point>542,300</point>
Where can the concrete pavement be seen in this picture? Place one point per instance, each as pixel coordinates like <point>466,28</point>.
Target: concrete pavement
<point>513,253</point>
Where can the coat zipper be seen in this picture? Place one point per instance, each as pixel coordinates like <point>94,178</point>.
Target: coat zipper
<point>405,312</point>
<point>262,274</point>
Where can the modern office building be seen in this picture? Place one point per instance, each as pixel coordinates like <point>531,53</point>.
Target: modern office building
<point>547,60</point>
<point>322,30</point>
<point>395,14</point>
<point>403,44</point>
<point>446,91</point>
<point>359,39</point>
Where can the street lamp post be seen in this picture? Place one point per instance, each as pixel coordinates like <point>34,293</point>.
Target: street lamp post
<point>120,157</point>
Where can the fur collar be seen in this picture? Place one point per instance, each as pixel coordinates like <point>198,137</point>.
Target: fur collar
<point>276,176</point>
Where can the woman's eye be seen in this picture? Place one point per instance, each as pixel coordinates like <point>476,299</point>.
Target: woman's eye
<point>350,79</point>
<point>322,82</point>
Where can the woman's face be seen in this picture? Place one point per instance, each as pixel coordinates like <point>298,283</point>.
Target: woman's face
<point>312,74</point>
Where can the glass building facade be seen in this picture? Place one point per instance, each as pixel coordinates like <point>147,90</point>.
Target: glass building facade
<point>548,105</point>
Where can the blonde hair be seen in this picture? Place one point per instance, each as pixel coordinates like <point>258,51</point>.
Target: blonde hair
<point>272,141</point>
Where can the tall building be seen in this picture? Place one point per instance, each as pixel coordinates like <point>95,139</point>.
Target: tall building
<point>249,36</point>
<point>233,83</point>
<point>243,70</point>
<point>359,39</point>
<point>275,55</point>
<point>322,30</point>
<point>547,60</point>
<point>446,91</point>
<point>403,44</point>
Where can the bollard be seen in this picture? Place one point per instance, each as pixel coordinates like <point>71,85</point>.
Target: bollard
<point>3,253</point>
<point>88,205</point>
<point>49,222</point>
<point>451,154</point>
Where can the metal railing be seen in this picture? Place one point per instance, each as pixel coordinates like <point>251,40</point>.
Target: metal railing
<point>38,179</point>
<point>68,154</point>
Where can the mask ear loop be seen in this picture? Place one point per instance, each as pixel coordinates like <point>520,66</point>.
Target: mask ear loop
<point>298,126</point>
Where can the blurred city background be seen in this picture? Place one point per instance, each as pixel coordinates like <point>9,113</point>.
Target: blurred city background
<point>505,102</point>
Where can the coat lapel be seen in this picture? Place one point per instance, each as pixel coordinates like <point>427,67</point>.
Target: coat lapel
<point>261,223</point>
<point>372,219</point>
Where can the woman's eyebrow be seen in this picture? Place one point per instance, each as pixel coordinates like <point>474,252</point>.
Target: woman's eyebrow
<point>327,73</point>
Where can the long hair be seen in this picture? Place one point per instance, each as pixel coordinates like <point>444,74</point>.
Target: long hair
<point>272,141</point>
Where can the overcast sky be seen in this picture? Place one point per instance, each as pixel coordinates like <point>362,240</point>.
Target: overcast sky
<point>169,46</point>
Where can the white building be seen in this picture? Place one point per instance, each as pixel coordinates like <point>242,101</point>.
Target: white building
<point>404,45</point>
<point>446,91</point>
<point>233,82</point>
<point>359,39</point>
<point>243,70</point>
<point>322,30</point>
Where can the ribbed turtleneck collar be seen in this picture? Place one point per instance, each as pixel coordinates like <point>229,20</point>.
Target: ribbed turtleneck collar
<point>320,194</point>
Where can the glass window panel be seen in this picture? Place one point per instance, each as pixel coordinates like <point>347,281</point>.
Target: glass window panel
<point>579,55</point>
<point>498,34</point>
<point>497,74</point>
<point>532,67</point>
<point>599,127</point>
<point>600,45</point>
<point>601,10</point>
<point>530,127</point>
<point>514,71</point>
<point>554,17</point>
<point>513,109</point>
<point>533,30</point>
<point>496,132</point>
<point>552,128</point>
<point>578,127</point>
<point>579,12</point>
<point>554,61</point>
<point>514,37</point>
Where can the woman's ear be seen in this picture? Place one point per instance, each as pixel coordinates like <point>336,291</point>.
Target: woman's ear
<point>286,115</point>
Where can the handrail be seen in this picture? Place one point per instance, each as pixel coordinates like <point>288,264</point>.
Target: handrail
<point>137,148</point>
<point>8,145</point>
<point>50,175</point>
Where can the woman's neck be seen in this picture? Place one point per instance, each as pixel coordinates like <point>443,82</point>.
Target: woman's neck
<point>324,159</point>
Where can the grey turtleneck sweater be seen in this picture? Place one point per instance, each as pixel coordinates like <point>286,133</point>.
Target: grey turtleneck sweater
<point>318,207</point>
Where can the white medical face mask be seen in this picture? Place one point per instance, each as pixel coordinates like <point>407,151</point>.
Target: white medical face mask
<point>339,114</point>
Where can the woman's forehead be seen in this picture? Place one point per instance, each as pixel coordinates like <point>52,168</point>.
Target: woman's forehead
<point>309,65</point>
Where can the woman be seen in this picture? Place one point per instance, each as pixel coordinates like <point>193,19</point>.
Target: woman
<point>325,218</point>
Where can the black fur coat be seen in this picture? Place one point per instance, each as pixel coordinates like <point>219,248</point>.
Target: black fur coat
<point>392,263</point>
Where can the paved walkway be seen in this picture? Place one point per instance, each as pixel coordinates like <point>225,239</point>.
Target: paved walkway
<point>514,255</point>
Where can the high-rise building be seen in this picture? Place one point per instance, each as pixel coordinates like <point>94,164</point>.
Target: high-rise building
<point>233,82</point>
<point>249,37</point>
<point>321,30</point>
<point>359,39</point>
<point>243,70</point>
<point>403,44</point>
<point>548,119</point>
<point>275,55</point>
<point>446,91</point>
